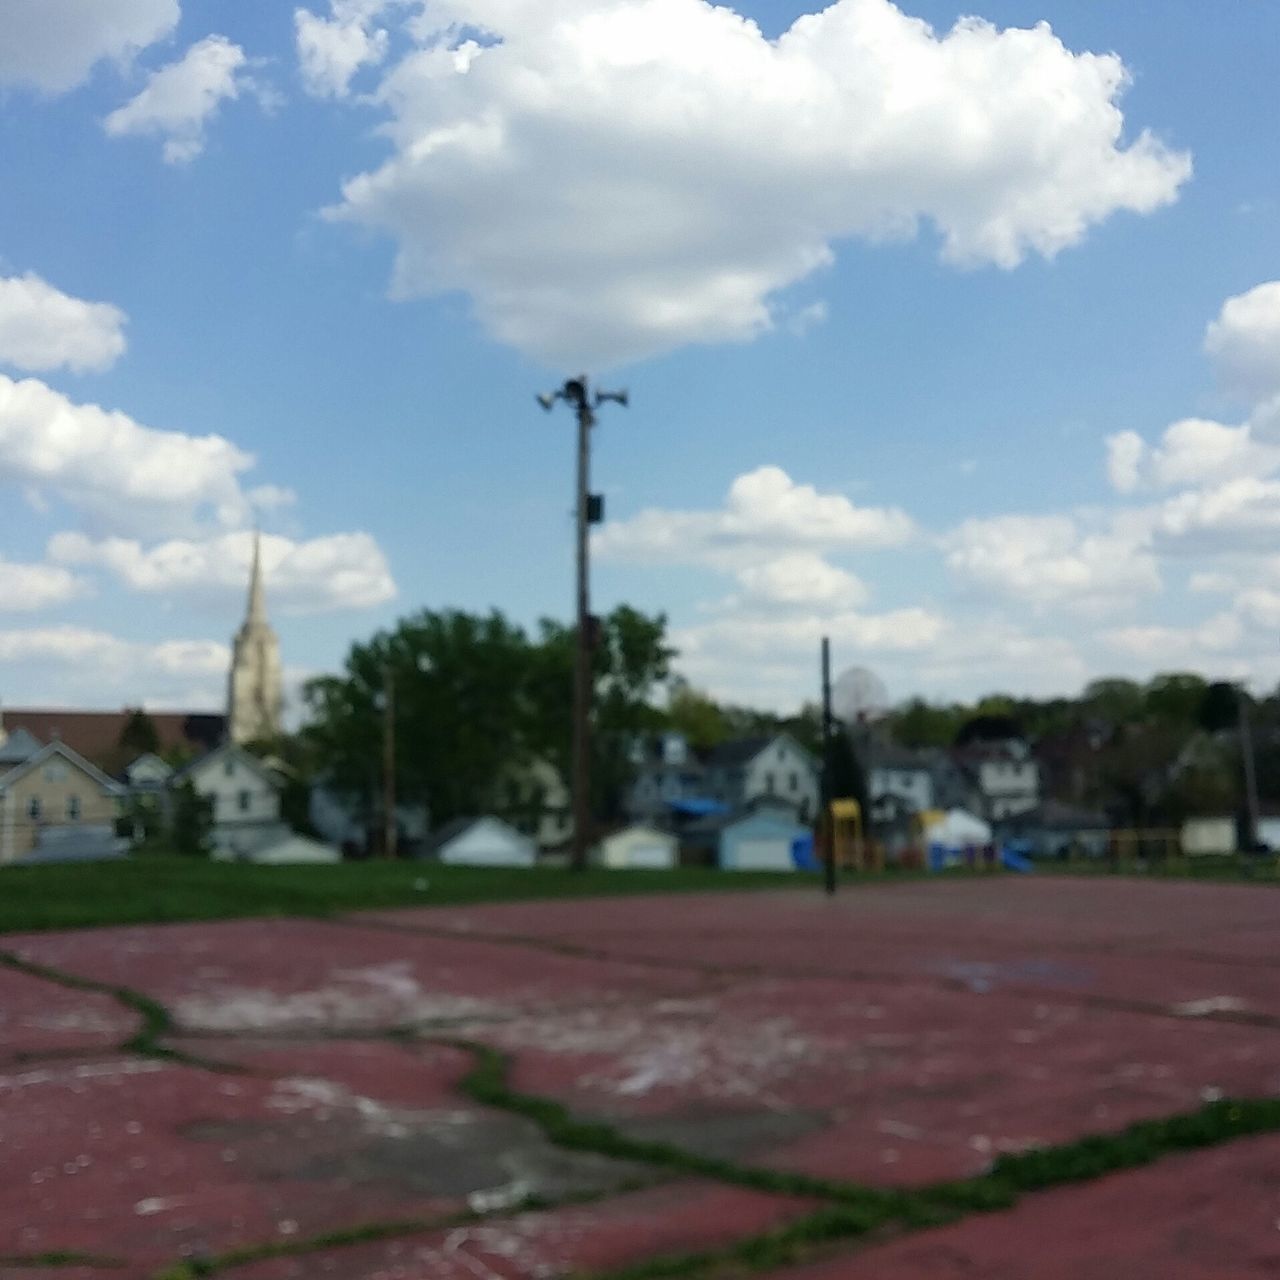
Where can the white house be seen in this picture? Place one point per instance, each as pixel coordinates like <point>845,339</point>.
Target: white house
<point>1006,775</point>
<point>901,777</point>
<point>639,846</point>
<point>245,796</point>
<point>777,769</point>
<point>482,842</point>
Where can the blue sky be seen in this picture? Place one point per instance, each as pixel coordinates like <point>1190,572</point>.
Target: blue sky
<point>959,345</point>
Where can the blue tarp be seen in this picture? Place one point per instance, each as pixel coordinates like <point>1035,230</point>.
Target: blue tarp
<point>696,807</point>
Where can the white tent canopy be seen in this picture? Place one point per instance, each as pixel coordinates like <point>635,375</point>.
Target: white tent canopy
<point>958,828</point>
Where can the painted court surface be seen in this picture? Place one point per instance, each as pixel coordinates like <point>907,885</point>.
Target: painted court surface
<point>896,1036</point>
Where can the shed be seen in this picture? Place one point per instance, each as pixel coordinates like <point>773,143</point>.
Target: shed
<point>1201,836</point>
<point>638,846</point>
<point>482,842</point>
<point>761,840</point>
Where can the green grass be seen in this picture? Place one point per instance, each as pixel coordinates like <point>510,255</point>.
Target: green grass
<point>157,890</point>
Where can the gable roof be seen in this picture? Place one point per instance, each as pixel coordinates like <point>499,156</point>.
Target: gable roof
<point>457,827</point>
<point>72,757</point>
<point>96,734</point>
<point>17,747</point>
<point>228,748</point>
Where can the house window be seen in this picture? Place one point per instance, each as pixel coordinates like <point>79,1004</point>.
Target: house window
<point>55,771</point>
<point>795,783</point>
<point>73,808</point>
<point>33,808</point>
<point>228,767</point>
<point>244,802</point>
<point>768,783</point>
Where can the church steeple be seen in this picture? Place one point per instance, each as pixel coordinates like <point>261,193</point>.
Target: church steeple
<point>254,696</point>
<point>256,613</point>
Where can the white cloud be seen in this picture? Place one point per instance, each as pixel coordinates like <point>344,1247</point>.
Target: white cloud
<point>991,654</point>
<point>85,667</point>
<point>180,99</point>
<point>52,45</point>
<point>764,510</point>
<point>124,475</point>
<point>1199,645</point>
<point>801,579</point>
<point>1237,516</point>
<point>43,328</point>
<point>1049,561</point>
<point>1192,453</point>
<point>1125,454</point>
<point>608,179</point>
<point>1244,342</point>
<point>341,571</point>
<point>27,588</point>
<point>331,50</point>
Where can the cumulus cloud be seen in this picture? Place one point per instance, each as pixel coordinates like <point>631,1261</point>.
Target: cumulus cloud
<point>179,100</point>
<point>1244,343</point>
<point>52,45</point>
<point>608,179</point>
<point>1194,452</point>
<point>341,571</point>
<point>87,667</point>
<point>126,476</point>
<point>801,578</point>
<point>1237,516</point>
<point>28,588</point>
<point>331,50</point>
<point>43,328</point>
<point>1049,561</point>
<point>764,509</point>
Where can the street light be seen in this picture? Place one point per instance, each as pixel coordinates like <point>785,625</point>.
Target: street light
<point>577,393</point>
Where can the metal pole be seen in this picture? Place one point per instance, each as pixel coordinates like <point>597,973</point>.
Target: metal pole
<point>1250,776</point>
<point>826,826</point>
<point>390,835</point>
<point>582,648</point>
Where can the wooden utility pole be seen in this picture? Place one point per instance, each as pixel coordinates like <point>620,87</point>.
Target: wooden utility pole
<point>826,825</point>
<point>588,509</point>
<point>390,833</point>
<point>1250,775</point>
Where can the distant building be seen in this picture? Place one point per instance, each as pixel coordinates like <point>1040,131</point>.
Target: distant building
<point>899,780</point>
<point>481,842</point>
<point>667,776</point>
<point>775,768</point>
<point>255,698</point>
<point>638,846</point>
<point>96,735</point>
<point>1005,774</point>
<point>55,800</point>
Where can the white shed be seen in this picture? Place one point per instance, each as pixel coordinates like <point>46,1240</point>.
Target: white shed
<point>483,842</point>
<point>638,846</point>
<point>1208,836</point>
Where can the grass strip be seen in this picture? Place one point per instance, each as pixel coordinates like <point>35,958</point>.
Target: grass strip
<point>61,1258</point>
<point>155,1020</point>
<point>154,889</point>
<point>487,1084</point>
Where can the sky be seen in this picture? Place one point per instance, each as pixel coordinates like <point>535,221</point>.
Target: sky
<point>954,337</point>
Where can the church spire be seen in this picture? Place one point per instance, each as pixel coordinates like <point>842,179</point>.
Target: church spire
<point>256,614</point>
<point>254,698</point>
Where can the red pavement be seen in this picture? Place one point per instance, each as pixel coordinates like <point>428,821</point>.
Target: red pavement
<point>1214,1215</point>
<point>894,1036</point>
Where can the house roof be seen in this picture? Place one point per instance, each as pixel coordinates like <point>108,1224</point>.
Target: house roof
<point>96,734</point>
<point>460,826</point>
<point>743,750</point>
<point>17,747</point>
<point>72,757</point>
<point>229,748</point>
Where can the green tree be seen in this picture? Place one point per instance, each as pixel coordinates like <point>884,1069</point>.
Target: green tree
<point>1175,698</point>
<point>1219,707</point>
<point>696,715</point>
<point>1114,699</point>
<point>191,824</point>
<point>475,701</point>
<point>139,735</point>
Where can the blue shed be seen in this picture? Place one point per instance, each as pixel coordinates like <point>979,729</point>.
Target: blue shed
<point>760,841</point>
